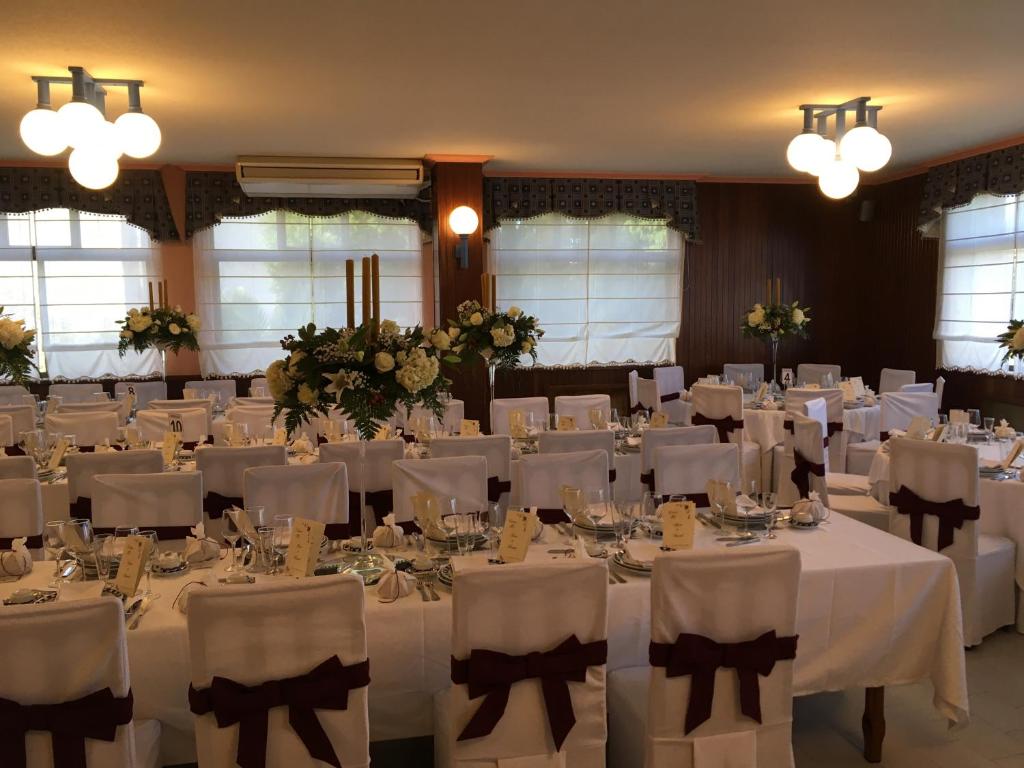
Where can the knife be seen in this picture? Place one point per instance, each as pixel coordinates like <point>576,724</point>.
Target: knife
<point>741,542</point>
<point>143,607</point>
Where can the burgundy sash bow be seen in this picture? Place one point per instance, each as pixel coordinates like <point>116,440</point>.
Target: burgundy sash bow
<point>802,470</point>
<point>951,514</point>
<point>381,502</point>
<point>326,687</point>
<point>70,723</point>
<point>632,409</point>
<point>31,542</point>
<point>647,478</point>
<point>670,397</point>
<point>833,427</point>
<point>701,657</point>
<point>496,487</point>
<point>491,674</point>
<point>214,504</point>
<point>725,425</point>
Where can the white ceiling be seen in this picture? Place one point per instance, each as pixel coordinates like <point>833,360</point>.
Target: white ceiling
<point>635,86</point>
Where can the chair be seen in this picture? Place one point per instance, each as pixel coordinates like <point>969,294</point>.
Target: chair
<point>686,469</point>
<point>23,418</point>
<point>120,408</point>
<point>259,381</point>
<point>651,720</point>
<point>62,652</point>
<point>258,419</point>
<point>643,393</point>
<point>496,449</point>
<point>669,385</point>
<point>13,467</point>
<point>309,634</point>
<point>580,406</point>
<point>590,440</point>
<point>525,609</point>
<point>144,391</point>
<point>541,478</point>
<point>464,478</point>
<point>83,467</point>
<point>153,423</point>
<point>222,469</point>
<point>797,397</point>
<point>226,388</point>
<point>177,405</point>
<point>940,385</point>
<point>654,439</point>
<point>893,379</point>
<point>815,373</point>
<point>454,413</point>
<point>76,393</point>
<point>89,429</point>
<point>503,406</point>
<point>251,402</point>
<point>375,467</point>
<point>722,406</point>
<point>753,372</point>
<point>6,430</point>
<point>924,475</point>
<point>922,387</point>
<point>898,409</point>
<point>22,513</point>
<point>170,503</point>
<point>315,491</point>
<point>12,394</point>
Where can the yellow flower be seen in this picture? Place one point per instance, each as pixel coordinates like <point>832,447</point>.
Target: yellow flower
<point>307,395</point>
<point>476,319</point>
<point>383,362</point>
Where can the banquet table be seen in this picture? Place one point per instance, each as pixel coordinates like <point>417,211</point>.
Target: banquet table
<point>873,611</point>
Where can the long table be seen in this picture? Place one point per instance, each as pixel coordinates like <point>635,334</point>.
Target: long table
<point>873,611</point>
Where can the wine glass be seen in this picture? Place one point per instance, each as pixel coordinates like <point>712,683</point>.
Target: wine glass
<point>768,501</point>
<point>154,557</point>
<point>613,419</point>
<point>282,540</point>
<point>133,435</point>
<point>596,507</point>
<point>242,433</point>
<point>572,501</point>
<point>597,419</point>
<point>122,437</point>
<point>494,525</point>
<point>232,533</point>
<point>648,512</point>
<point>622,522</point>
<point>53,545</point>
<point>103,551</point>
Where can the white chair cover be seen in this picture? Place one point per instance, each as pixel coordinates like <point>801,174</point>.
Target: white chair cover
<point>503,406</point>
<point>813,373</point>
<point>454,413</point>
<point>496,449</point>
<point>809,442</point>
<point>654,439</point>
<point>925,386</point>
<point>83,467</point>
<point>893,379</point>
<point>23,418</point>
<point>259,381</point>
<point>669,379</point>
<point>251,402</point>
<point>669,385</point>
<point>76,393</point>
<point>940,385</point>
<point>643,393</point>
<point>12,467</point>
<point>314,491</point>
<point>579,407</point>
<point>144,391</point>
<point>984,563</point>
<point>177,405</point>
<point>88,428</point>
<point>898,409</point>
<point>526,608</point>
<point>6,430</point>
<point>686,469</point>
<point>153,423</point>
<point>462,477</point>
<point>257,418</point>
<point>572,442</point>
<point>375,468</point>
<point>754,373</point>
<point>168,502</point>
<point>297,624</point>
<point>227,388</point>
<point>11,394</point>
<point>81,646</point>
<point>21,513</point>
<point>542,477</point>
<point>120,408</point>
<point>717,401</point>
<point>222,467</point>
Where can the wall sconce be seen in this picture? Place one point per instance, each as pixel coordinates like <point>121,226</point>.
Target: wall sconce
<point>463,221</point>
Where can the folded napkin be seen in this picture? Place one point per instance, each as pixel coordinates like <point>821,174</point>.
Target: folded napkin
<point>302,444</point>
<point>17,561</point>
<point>396,584</point>
<point>685,395</point>
<point>810,509</point>
<point>199,548</point>
<point>1004,429</point>
<point>390,534</point>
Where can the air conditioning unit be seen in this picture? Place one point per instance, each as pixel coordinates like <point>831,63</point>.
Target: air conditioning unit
<point>329,177</point>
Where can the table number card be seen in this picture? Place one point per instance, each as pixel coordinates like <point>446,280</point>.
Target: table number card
<point>677,524</point>
<point>938,432</point>
<point>169,444</point>
<point>659,419</point>
<point>303,547</point>
<point>566,423</point>
<point>516,536</point>
<point>787,377</point>
<point>761,392</point>
<point>58,454</point>
<point>1013,454</point>
<point>469,428</point>
<point>280,436</point>
<point>847,389</point>
<point>133,561</point>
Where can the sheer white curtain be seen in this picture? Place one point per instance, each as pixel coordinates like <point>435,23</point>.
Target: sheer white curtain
<point>606,290</point>
<point>260,278</point>
<point>71,275</point>
<point>981,285</point>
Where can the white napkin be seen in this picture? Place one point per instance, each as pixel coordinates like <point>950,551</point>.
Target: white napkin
<point>685,395</point>
<point>17,561</point>
<point>1004,429</point>
<point>302,444</point>
<point>396,584</point>
<point>199,548</point>
<point>388,535</point>
<point>810,506</point>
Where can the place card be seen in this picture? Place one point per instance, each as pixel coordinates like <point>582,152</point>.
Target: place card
<point>469,428</point>
<point>383,432</point>
<point>659,419</point>
<point>58,454</point>
<point>677,524</point>
<point>280,436</point>
<point>956,416</point>
<point>517,423</point>
<point>189,394</point>
<point>762,390</point>
<point>938,432</point>
<point>918,428</point>
<point>1013,454</point>
<point>566,423</point>
<point>134,555</point>
<point>858,386</point>
<point>169,444</point>
<point>516,536</point>
<point>303,547</point>
<point>846,387</point>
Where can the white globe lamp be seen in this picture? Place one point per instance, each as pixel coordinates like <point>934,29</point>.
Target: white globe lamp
<point>866,148</point>
<point>78,120</point>
<point>93,169</point>
<point>138,134</point>
<point>838,178</point>
<point>42,132</point>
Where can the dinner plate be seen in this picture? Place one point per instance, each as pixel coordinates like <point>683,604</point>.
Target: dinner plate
<point>803,526</point>
<point>175,571</point>
<point>633,566</point>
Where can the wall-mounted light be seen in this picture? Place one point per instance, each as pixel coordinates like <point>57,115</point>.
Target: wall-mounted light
<point>463,222</point>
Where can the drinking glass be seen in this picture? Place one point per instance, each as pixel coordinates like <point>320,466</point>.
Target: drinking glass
<point>154,557</point>
<point>597,419</point>
<point>648,512</point>
<point>268,435</point>
<point>768,501</point>
<point>495,524</point>
<point>133,435</point>
<point>240,434</point>
<point>232,533</point>
<point>266,561</point>
<point>103,552</point>
<point>622,522</point>
<point>53,543</point>
<point>77,534</point>
<point>72,443</point>
<point>122,437</point>
<point>596,507</point>
<point>974,416</point>
<point>467,527</point>
<point>572,501</point>
<point>282,539</point>
<point>613,419</point>
<point>284,522</point>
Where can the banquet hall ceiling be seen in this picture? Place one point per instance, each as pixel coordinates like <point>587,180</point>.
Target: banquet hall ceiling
<point>634,86</point>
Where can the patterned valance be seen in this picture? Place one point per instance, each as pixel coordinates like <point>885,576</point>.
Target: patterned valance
<point>954,184</point>
<point>522,198</point>
<point>137,195</point>
<point>212,195</point>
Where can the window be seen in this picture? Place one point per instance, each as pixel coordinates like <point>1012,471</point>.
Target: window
<point>605,290</point>
<point>979,292</point>
<point>260,278</point>
<point>71,275</point>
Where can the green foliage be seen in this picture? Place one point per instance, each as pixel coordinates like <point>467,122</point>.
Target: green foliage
<point>145,328</point>
<point>15,350</point>
<point>500,338</point>
<point>1009,341</point>
<point>776,321</point>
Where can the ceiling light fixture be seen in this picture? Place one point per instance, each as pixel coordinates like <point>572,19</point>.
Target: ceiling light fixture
<point>838,161</point>
<point>81,124</point>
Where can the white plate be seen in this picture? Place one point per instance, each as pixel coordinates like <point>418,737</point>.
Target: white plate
<point>803,526</point>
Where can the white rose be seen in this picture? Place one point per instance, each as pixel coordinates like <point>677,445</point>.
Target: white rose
<point>440,339</point>
<point>798,316</point>
<point>419,371</point>
<point>388,328</point>
<point>383,362</point>
<point>504,336</point>
<point>756,316</point>
<point>514,311</point>
<point>193,322</point>
<point>1018,340</point>
<point>140,323</point>
<point>277,379</point>
<point>133,312</point>
<point>454,332</point>
<point>476,319</point>
<point>174,328</point>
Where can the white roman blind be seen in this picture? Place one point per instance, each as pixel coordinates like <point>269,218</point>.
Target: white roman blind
<point>981,285</point>
<point>260,278</point>
<point>71,275</point>
<point>606,290</point>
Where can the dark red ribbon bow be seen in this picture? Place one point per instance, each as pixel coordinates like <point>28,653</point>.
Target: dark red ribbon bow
<point>496,487</point>
<point>725,425</point>
<point>381,502</point>
<point>492,674</point>
<point>670,397</point>
<point>31,542</point>
<point>951,514</point>
<point>326,687</point>
<point>70,723</point>
<point>803,468</point>
<point>701,657</point>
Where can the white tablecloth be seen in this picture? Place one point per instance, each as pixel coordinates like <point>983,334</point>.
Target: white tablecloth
<point>873,610</point>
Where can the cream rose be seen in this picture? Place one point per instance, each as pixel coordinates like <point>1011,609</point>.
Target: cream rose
<point>798,316</point>
<point>441,340</point>
<point>514,311</point>
<point>12,332</point>
<point>454,332</point>
<point>174,328</point>
<point>503,336</point>
<point>756,316</point>
<point>476,319</point>
<point>1018,340</point>
<point>383,362</point>
<point>388,328</point>
<point>193,322</point>
<point>139,323</point>
<point>277,379</point>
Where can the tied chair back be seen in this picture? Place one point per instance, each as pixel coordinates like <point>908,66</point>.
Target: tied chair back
<point>503,406</point>
<point>529,654</point>
<point>292,689</point>
<point>795,402</point>
<point>654,439</point>
<point>84,697</point>
<point>226,388</point>
<point>720,405</point>
<point>580,406</point>
<point>222,469</point>
<point>251,402</point>
<point>23,418</point>
<point>170,503</point>
<point>22,514</point>
<point>76,393</point>
<point>816,373</point>
<point>256,418</point>
<point>144,391</point>
<point>120,407</point>
<point>894,379</point>
<point>809,457</point>
<point>83,468</point>
<point>178,405</point>
<point>541,478</point>
<point>940,385</point>
<point>6,430</point>
<point>686,469</point>
<point>898,409</point>
<point>572,442</point>
<point>669,384</point>
<point>752,373</point>
<point>643,393</point>
<point>454,413</point>
<point>925,386</point>
<point>496,450</point>
<point>315,491</point>
<point>464,478</point>
<point>154,422</point>
<point>17,467</point>
<point>370,474</point>
<point>89,429</point>
<point>259,381</point>
<point>740,707</point>
<point>12,394</point>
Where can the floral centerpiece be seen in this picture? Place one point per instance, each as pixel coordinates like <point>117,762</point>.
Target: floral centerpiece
<point>367,372</point>
<point>1012,341</point>
<point>166,328</point>
<point>15,349</point>
<point>774,322</point>
<point>500,338</point>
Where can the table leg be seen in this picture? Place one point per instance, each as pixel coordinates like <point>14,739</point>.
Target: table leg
<point>873,723</point>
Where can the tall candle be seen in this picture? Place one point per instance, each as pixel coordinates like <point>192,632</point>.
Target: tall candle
<point>367,290</point>
<point>160,292</point>
<point>768,292</point>
<point>778,290</point>
<point>167,298</point>
<point>150,284</point>
<point>494,293</point>
<point>350,293</point>
<point>485,285</point>
<point>375,272</point>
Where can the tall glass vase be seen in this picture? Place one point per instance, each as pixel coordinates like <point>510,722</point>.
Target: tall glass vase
<point>163,363</point>
<point>491,371</point>
<point>774,341</point>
